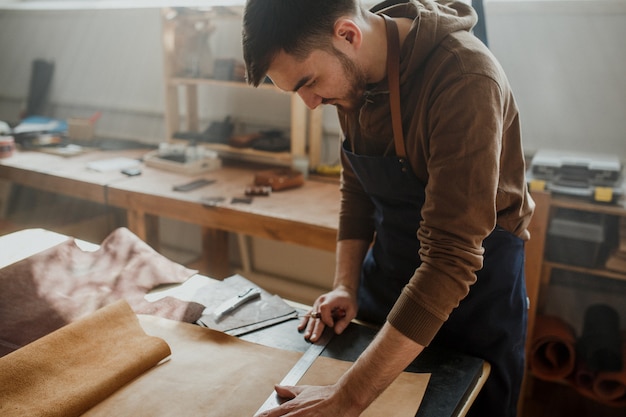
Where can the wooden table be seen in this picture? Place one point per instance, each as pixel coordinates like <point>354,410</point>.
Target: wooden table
<point>306,216</point>
<point>456,378</point>
<point>64,175</point>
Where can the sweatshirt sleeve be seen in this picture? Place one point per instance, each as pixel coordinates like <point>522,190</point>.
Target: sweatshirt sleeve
<point>464,131</point>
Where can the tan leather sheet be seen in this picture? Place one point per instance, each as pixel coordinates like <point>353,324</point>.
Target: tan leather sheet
<point>211,374</point>
<point>70,370</point>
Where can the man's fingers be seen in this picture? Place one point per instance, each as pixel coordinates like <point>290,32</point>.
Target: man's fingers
<point>314,330</point>
<point>287,392</point>
<point>341,325</point>
<point>303,322</point>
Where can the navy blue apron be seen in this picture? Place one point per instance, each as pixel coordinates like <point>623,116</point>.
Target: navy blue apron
<point>491,321</point>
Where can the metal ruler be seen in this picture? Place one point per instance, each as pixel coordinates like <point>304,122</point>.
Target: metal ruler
<point>299,369</point>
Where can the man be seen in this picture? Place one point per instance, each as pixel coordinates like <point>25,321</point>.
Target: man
<point>434,203</point>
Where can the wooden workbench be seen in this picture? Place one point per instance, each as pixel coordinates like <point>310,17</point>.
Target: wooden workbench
<point>306,216</point>
<point>64,175</point>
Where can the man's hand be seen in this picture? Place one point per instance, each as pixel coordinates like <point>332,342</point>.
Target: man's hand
<point>377,367</point>
<point>334,309</point>
<point>311,401</point>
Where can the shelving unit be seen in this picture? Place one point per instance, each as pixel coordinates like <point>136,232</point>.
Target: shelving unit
<point>539,269</point>
<point>305,126</point>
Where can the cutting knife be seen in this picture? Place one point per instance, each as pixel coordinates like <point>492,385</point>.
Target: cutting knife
<point>235,302</point>
<point>299,369</point>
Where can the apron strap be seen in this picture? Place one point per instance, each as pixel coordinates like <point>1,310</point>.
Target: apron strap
<point>393,76</point>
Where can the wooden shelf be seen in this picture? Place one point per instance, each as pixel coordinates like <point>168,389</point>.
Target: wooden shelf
<point>305,125</point>
<point>251,155</point>
<point>589,271</point>
<point>177,80</point>
<point>614,209</point>
<point>539,269</point>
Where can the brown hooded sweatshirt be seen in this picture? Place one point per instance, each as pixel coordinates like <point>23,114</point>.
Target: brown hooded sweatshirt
<point>463,141</point>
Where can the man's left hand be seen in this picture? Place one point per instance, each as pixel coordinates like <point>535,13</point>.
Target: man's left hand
<point>311,401</point>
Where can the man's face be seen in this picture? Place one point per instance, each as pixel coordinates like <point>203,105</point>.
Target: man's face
<point>322,78</point>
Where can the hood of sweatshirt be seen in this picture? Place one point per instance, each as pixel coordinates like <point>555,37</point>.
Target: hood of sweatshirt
<point>432,23</point>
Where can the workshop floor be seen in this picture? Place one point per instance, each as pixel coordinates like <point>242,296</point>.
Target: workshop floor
<point>558,400</point>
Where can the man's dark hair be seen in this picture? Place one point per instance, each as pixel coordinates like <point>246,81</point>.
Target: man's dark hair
<point>294,26</point>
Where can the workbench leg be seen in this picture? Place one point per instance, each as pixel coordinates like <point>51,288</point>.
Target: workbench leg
<point>215,259</point>
<point>145,226</point>
<point>6,187</point>
<point>244,252</point>
<point>153,237</point>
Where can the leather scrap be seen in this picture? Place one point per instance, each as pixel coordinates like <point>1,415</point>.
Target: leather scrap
<point>52,288</point>
<point>279,178</point>
<point>75,367</point>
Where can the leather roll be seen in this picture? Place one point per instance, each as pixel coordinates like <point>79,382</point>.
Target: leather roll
<point>279,179</point>
<point>610,386</point>
<point>553,349</point>
<point>600,343</point>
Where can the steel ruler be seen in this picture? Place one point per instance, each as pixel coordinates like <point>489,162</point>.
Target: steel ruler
<point>299,369</point>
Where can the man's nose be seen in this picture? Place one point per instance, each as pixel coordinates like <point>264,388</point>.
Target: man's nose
<point>311,100</point>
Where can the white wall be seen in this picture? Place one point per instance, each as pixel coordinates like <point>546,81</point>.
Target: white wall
<point>566,62</point>
<point>104,60</point>
<point>111,60</point>
<point>564,58</point>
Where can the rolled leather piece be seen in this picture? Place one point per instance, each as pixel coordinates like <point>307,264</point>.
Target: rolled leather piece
<point>279,178</point>
<point>70,370</point>
<point>582,379</point>
<point>610,386</point>
<point>553,349</point>
<point>600,343</point>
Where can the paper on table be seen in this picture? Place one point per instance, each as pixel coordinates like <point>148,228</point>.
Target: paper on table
<point>113,164</point>
<point>35,124</point>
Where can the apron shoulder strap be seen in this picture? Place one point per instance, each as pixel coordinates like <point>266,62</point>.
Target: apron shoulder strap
<point>393,76</point>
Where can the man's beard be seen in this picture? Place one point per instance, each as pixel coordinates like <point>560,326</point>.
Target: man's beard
<point>356,79</point>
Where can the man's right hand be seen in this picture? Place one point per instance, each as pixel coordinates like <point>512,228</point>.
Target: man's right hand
<point>334,309</point>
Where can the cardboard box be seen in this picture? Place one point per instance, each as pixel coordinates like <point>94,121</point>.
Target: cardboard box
<point>80,128</point>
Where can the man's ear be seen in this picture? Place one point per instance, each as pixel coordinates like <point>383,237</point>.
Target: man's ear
<point>347,34</point>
